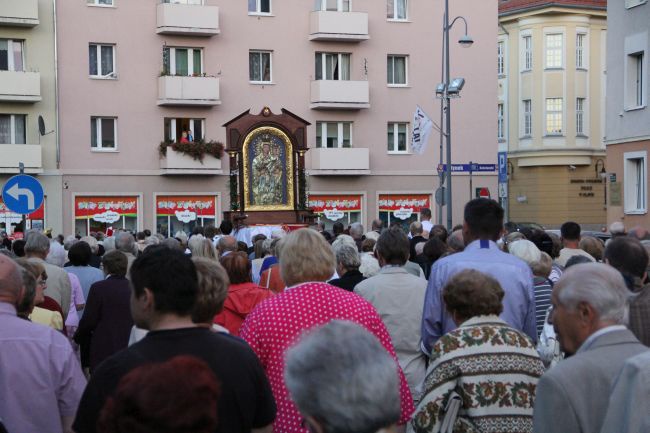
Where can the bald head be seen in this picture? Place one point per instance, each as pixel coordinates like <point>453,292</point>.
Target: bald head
<point>226,244</point>
<point>11,282</point>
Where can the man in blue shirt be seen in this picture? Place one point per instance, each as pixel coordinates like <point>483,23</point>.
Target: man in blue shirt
<point>482,226</point>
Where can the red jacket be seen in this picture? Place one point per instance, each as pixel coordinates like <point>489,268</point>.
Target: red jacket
<point>242,299</point>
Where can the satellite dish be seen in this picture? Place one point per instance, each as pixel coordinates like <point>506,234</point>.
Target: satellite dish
<point>41,125</point>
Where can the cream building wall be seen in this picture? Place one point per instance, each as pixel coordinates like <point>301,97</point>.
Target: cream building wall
<point>31,92</point>
<point>545,167</point>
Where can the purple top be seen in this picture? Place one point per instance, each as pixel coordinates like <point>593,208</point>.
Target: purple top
<point>40,378</point>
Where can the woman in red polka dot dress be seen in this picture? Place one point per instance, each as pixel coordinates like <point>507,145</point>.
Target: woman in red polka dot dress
<point>306,262</point>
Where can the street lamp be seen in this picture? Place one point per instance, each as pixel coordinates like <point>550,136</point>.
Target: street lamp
<point>447,90</point>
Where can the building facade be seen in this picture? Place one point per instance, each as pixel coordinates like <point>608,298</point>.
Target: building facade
<point>139,73</point>
<point>27,92</point>
<point>628,118</point>
<point>551,108</point>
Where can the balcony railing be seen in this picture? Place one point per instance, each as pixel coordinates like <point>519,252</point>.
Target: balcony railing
<point>13,154</point>
<point>340,161</point>
<point>19,13</point>
<point>179,163</point>
<point>20,86</point>
<point>339,95</point>
<point>182,19</point>
<point>189,91</point>
<point>338,26</point>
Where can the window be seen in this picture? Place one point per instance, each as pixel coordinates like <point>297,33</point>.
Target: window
<point>528,53</point>
<point>632,3</point>
<point>397,137</point>
<point>182,61</point>
<point>332,5</point>
<point>397,71</point>
<point>12,129</point>
<point>101,60</point>
<point>580,50</point>
<point>500,122</point>
<point>184,2</point>
<point>11,55</point>
<point>635,174</point>
<point>528,118</point>
<point>554,116</point>
<point>501,58</point>
<point>332,66</point>
<point>100,2</point>
<point>333,134</point>
<point>554,51</point>
<point>259,66</point>
<point>259,6</point>
<point>635,83</point>
<point>396,9</point>
<point>580,116</point>
<point>103,133</point>
<point>174,128</point>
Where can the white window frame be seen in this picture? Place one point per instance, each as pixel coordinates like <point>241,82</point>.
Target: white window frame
<point>501,122</point>
<point>96,3</point>
<point>526,52</point>
<point>392,57</point>
<point>395,148</point>
<point>339,136</point>
<point>109,76</point>
<point>638,74</point>
<point>258,8</point>
<point>582,50</point>
<point>553,52</point>
<point>261,52</point>
<point>10,54</point>
<point>559,113</point>
<point>98,138</point>
<point>395,9</point>
<point>633,3</point>
<point>527,109</point>
<point>324,55</point>
<point>172,127</point>
<point>190,60</point>
<point>12,127</point>
<point>501,58</point>
<point>321,5</point>
<point>581,117</point>
<point>184,2</point>
<point>633,181</point>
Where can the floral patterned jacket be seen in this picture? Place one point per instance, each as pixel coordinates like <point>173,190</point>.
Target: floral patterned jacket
<point>493,367</point>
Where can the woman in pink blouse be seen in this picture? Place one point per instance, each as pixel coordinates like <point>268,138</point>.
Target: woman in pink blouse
<point>306,262</point>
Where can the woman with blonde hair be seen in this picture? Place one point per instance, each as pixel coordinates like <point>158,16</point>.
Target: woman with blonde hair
<point>202,247</point>
<point>306,262</point>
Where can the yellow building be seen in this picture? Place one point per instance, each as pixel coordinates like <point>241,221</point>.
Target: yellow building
<point>551,65</point>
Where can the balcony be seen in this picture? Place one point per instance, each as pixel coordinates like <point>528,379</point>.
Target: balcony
<point>188,91</point>
<point>13,154</point>
<point>191,20</point>
<point>339,95</point>
<point>182,164</point>
<point>340,161</point>
<point>338,26</point>
<point>20,86</point>
<point>19,13</point>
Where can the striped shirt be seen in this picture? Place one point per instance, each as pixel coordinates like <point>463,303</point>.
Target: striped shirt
<point>543,288</point>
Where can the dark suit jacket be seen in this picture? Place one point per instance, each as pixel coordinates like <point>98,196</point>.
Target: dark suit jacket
<point>348,281</point>
<point>573,396</point>
<point>105,326</point>
<point>413,242</point>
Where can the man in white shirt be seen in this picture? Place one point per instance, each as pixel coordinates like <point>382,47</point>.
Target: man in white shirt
<point>425,219</point>
<point>570,235</point>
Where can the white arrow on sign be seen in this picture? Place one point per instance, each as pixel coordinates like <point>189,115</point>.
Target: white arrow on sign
<point>16,192</point>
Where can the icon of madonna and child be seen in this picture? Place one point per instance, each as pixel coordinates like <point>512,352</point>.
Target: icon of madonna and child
<point>269,172</point>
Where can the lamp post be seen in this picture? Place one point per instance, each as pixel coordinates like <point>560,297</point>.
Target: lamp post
<point>451,90</point>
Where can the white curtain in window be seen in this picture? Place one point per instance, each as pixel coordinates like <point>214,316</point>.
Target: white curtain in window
<point>181,61</point>
<point>19,129</point>
<point>18,56</point>
<point>345,67</point>
<point>254,67</point>
<point>639,184</point>
<point>401,9</point>
<point>5,129</point>
<point>252,6</point>
<point>107,59</point>
<point>390,8</point>
<point>400,70</point>
<point>266,66</point>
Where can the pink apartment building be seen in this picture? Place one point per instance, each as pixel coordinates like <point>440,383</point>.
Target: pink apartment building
<point>135,73</point>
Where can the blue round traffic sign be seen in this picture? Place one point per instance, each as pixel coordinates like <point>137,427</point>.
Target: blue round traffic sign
<point>22,194</point>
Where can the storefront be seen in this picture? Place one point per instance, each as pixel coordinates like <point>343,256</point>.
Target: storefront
<point>105,213</point>
<point>176,213</point>
<point>402,208</point>
<point>331,208</point>
<point>9,220</point>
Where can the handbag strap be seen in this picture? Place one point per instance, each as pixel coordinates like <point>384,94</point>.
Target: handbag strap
<point>454,403</point>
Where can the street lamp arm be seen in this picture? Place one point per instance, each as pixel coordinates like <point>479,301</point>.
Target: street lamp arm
<point>460,17</point>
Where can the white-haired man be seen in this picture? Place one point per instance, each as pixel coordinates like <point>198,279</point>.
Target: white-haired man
<point>589,304</point>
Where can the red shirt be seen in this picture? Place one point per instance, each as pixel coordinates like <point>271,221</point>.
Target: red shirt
<point>241,300</point>
<point>279,322</point>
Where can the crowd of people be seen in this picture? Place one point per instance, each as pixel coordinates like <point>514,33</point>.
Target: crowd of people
<point>484,328</point>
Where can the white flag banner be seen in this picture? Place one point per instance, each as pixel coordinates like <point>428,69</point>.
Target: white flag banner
<point>422,126</point>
